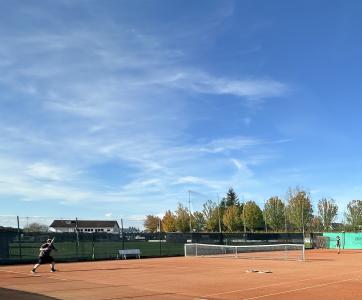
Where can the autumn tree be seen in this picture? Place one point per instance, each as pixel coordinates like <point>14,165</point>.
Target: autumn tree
<point>182,219</point>
<point>198,221</point>
<point>36,227</point>
<point>169,222</point>
<point>316,224</point>
<point>211,213</point>
<point>354,214</point>
<point>151,223</point>
<point>232,218</point>
<point>275,213</point>
<point>300,211</point>
<point>328,210</point>
<point>253,215</point>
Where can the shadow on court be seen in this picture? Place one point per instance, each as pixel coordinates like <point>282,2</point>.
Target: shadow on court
<point>19,295</point>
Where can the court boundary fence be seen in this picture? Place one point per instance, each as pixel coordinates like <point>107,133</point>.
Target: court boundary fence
<point>17,246</point>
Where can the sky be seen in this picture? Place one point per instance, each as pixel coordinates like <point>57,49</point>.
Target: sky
<point>116,109</point>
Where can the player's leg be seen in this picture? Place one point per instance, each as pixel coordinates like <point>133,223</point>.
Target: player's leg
<point>40,261</point>
<point>52,265</point>
<point>35,267</point>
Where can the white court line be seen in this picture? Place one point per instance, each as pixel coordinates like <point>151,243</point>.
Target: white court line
<point>21,273</point>
<point>301,289</point>
<point>276,284</point>
<point>38,275</point>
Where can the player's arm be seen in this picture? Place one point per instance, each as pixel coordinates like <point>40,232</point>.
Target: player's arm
<point>44,247</point>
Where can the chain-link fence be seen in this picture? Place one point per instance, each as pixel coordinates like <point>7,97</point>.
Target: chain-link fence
<point>78,239</point>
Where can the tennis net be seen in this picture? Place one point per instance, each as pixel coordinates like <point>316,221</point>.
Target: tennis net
<point>276,251</point>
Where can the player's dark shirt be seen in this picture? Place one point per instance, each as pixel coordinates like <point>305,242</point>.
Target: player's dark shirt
<point>338,243</point>
<point>47,249</point>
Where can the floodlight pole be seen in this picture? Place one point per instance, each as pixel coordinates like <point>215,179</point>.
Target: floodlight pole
<point>266,227</point>
<point>218,211</point>
<point>244,215</point>
<point>190,210</point>
<point>285,217</point>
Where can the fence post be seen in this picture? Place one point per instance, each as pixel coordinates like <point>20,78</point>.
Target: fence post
<point>93,254</point>
<point>159,235</point>
<point>122,234</point>
<point>19,238</point>
<point>77,237</point>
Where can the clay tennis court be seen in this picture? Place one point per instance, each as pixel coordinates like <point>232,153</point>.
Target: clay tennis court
<point>324,275</point>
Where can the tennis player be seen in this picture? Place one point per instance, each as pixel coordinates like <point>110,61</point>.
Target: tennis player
<point>45,257</point>
<point>338,244</point>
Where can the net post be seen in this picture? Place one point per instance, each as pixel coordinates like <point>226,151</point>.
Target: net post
<point>196,249</point>
<point>236,252</point>
<point>185,249</point>
<point>303,253</point>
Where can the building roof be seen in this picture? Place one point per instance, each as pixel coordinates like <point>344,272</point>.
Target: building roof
<point>83,223</point>
<point>8,229</point>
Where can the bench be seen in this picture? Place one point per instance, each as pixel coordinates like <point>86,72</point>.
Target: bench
<point>123,253</point>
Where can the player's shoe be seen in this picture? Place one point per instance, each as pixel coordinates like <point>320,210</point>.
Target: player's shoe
<point>32,271</point>
<point>53,270</point>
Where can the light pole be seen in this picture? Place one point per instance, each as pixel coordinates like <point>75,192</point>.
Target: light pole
<point>190,210</point>
<point>218,211</point>
<point>266,227</point>
<point>244,215</point>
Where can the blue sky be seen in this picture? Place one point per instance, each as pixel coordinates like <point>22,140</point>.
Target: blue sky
<point>115,109</point>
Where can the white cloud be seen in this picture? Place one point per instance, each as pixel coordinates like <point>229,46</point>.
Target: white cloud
<point>43,170</point>
<point>242,167</point>
<point>198,181</point>
<point>115,95</point>
<point>205,83</point>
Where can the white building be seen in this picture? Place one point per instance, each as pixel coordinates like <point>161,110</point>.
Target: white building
<point>87,226</point>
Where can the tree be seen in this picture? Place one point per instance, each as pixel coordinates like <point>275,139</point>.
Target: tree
<point>354,214</point>
<point>198,221</point>
<point>232,218</point>
<point>300,211</point>
<point>327,209</point>
<point>151,223</point>
<point>182,219</point>
<point>169,222</point>
<point>211,213</point>
<point>131,229</point>
<point>316,224</point>
<point>35,227</point>
<point>231,199</point>
<point>253,215</point>
<point>275,213</point>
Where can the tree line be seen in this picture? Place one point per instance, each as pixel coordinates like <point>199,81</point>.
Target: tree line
<point>231,215</point>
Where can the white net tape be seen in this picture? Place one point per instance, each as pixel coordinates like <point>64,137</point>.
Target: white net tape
<point>277,251</point>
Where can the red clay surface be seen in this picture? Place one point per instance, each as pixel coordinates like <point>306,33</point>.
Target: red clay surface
<point>324,275</point>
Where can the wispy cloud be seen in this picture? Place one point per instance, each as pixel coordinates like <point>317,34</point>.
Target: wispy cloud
<point>205,83</point>
<point>43,170</point>
<point>82,98</point>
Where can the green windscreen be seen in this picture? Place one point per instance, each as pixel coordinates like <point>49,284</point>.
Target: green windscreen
<point>349,240</point>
